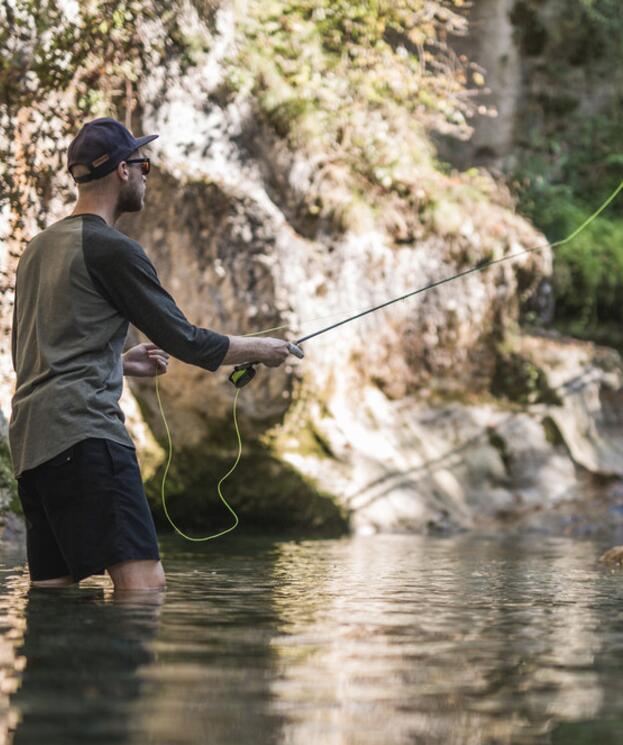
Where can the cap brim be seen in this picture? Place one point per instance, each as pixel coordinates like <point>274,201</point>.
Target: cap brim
<point>140,141</point>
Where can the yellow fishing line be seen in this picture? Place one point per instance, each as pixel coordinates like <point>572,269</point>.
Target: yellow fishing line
<point>218,486</point>
<point>556,244</point>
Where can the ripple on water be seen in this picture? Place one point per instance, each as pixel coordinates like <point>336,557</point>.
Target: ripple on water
<point>382,639</point>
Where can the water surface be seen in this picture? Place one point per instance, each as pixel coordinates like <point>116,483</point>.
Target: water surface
<point>356,641</point>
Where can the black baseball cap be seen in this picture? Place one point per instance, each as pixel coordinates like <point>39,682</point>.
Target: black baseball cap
<point>101,145</point>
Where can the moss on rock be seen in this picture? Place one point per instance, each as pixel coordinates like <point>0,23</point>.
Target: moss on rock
<point>9,499</point>
<point>520,380</point>
<point>290,504</point>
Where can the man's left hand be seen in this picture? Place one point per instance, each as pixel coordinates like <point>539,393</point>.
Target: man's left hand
<point>145,361</point>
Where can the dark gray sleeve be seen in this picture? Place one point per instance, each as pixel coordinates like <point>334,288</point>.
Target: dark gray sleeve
<point>123,274</point>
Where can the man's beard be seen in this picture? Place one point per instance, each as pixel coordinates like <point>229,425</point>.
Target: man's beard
<point>130,199</point>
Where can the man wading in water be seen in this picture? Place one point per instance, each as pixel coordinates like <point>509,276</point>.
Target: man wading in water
<point>79,283</point>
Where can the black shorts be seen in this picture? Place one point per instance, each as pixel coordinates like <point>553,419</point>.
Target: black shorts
<point>86,510</point>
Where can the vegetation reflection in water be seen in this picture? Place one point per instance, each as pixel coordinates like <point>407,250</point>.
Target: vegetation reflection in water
<point>387,639</point>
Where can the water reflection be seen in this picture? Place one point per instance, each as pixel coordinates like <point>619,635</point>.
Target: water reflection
<point>12,625</point>
<point>84,649</point>
<point>384,639</point>
<point>213,681</point>
<point>406,639</point>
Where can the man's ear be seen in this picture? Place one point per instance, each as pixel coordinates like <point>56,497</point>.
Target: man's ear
<point>123,171</point>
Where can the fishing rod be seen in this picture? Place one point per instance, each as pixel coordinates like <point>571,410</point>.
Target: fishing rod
<point>244,374</point>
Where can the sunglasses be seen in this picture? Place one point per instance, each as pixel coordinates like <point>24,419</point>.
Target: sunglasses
<point>145,164</point>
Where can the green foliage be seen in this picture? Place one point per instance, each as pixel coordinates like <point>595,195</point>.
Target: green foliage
<point>357,81</point>
<point>583,157</point>
<point>588,272</point>
<point>569,168</point>
<point>520,380</point>
<point>604,21</point>
<point>60,64</point>
<point>7,481</point>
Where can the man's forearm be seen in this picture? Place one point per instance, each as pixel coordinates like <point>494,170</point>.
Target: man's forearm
<point>241,349</point>
<point>244,349</point>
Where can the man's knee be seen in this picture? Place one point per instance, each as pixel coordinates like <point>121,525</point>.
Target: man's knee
<point>137,575</point>
<point>56,582</point>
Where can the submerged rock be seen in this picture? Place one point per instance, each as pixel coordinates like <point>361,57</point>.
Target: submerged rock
<point>612,557</point>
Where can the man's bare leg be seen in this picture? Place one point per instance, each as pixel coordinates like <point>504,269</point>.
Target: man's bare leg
<point>137,575</point>
<point>56,582</point>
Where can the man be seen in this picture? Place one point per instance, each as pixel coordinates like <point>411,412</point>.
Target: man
<point>79,284</point>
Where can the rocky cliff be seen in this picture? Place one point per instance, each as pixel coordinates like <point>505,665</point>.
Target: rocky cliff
<point>435,414</point>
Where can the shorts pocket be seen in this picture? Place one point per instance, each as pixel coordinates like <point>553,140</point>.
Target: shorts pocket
<point>110,453</point>
<point>58,480</point>
<point>67,456</point>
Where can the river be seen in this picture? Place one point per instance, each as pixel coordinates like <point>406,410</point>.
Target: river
<point>380,640</point>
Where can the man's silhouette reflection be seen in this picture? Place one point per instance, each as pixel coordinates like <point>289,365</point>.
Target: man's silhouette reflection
<point>83,649</point>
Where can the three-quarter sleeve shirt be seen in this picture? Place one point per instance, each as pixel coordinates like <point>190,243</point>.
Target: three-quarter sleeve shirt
<point>79,284</point>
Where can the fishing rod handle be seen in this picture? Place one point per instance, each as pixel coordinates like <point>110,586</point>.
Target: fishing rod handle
<point>243,374</point>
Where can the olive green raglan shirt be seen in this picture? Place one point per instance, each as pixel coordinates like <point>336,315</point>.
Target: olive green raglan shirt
<point>79,284</point>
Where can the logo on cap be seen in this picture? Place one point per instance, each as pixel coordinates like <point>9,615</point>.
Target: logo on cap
<point>100,160</point>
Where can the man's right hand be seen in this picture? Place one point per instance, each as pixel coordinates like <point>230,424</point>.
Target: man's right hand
<point>274,351</point>
<point>267,350</point>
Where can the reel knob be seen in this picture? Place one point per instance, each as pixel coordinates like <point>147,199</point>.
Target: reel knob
<point>295,350</point>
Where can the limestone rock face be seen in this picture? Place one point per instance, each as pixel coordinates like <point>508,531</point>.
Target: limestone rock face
<point>405,465</point>
<point>225,224</point>
<point>591,415</point>
<point>388,423</point>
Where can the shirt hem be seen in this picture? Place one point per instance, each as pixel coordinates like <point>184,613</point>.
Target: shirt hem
<point>73,441</point>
